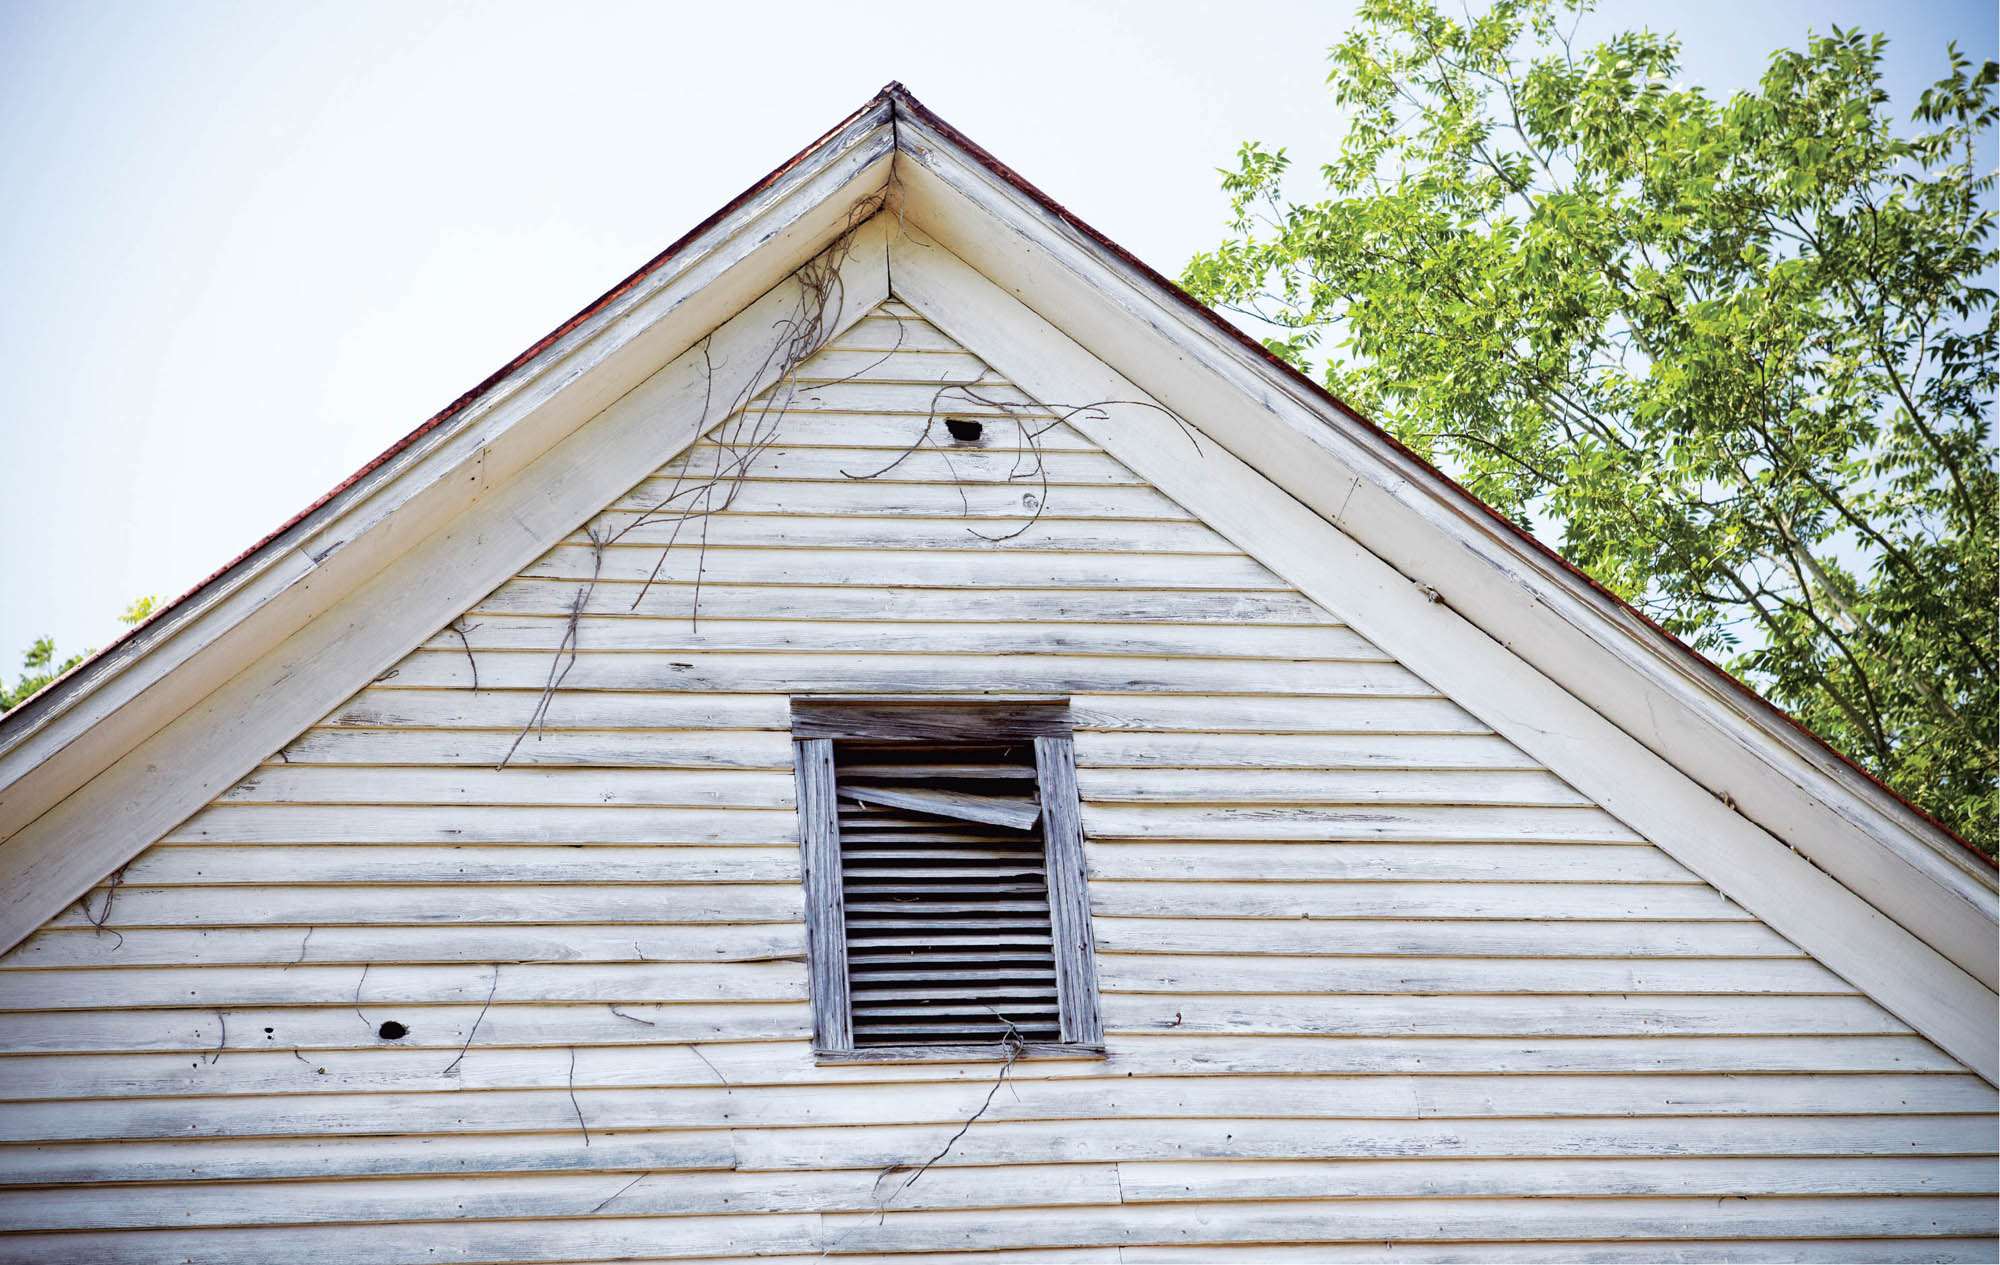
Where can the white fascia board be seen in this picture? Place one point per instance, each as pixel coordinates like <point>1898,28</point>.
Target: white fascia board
<point>286,646</point>
<point>112,704</point>
<point>1434,533</point>
<point>1447,649</point>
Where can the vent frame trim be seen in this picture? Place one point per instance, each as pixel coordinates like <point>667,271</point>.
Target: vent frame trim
<point>934,726</point>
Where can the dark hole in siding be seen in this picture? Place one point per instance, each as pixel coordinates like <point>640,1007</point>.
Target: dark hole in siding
<point>963,429</point>
<point>392,1031</point>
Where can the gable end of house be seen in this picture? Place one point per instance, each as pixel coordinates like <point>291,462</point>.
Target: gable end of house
<point>141,737</point>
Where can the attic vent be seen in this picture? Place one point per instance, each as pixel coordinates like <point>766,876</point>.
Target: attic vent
<point>944,885</point>
<point>945,898</point>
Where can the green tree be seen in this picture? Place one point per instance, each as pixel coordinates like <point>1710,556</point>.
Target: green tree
<point>38,662</point>
<point>1736,356</point>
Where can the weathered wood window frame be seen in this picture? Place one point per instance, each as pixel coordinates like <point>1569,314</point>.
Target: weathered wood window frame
<point>817,724</point>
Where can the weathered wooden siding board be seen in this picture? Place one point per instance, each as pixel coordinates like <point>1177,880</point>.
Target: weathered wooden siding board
<point>1354,1221</point>
<point>84,945</point>
<point>674,1194</point>
<point>969,566</point>
<point>1372,981</point>
<point>300,905</point>
<point>1062,1142</point>
<point>1639,1251</point>
<point>212,1032</point>
<point>1005,606</point>
<point>643,633</point>
<point>694,1192</point>
<point>1169,1182</point>
<point>79,944</point>
<point>275,1069</point>
<point>1025,671</point>
<point>971,504</point>
<point>1241,1097</point>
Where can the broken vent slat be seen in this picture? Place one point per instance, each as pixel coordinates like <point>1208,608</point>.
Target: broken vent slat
<point>992,810</point>
<point>945,887</point>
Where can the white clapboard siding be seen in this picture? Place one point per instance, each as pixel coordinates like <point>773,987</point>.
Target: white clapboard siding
<point>300,905</point>
<point>1014,502</point>
<point>84,945</point>
<point>369,864</point>
<point>718,788</point>
<point>1355,862</point>
<point>482,823</point>
<point>212,1033</point>
<point>358,1157</point>
<point>1643,1251</point>
<point>643,634</point>
<point>1121,749</point>
<point>1374,982</point>
<point>692,1192</point>
<point>391,985</point>
<point>820,603</point>
<point>1016,467</point>
<point>1358,1221</point>
<point>1024,671</point>
<point>1574,1138</point>
<point>555,747</point>
<point>1163,973</point>
<point>947,531</point>
<point>273,1068</point>
<point>1532,937</point>
<point>1343,1099</point>
<point>559,1195</point>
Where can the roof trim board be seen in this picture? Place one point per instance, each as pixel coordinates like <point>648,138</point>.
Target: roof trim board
<point>119,726</point>
<point>1478,672</point>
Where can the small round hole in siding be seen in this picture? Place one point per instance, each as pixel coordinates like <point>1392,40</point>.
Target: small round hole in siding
<point>392,1031</point>
<point>963,429</point>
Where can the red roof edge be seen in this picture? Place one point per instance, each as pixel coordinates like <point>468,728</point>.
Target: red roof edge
<point>47,694</point>
<point>904,100</point>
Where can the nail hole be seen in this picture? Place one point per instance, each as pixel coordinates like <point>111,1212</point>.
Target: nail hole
<point>963,429</point>
<point>392,1031</point>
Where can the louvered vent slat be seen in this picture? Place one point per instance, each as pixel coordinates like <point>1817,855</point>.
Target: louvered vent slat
<point>946,894</point>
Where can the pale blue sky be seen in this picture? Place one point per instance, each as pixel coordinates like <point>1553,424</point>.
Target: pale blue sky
<point>247,246</point>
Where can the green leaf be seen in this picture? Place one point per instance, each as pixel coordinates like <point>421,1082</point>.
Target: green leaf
<point>1736,357</point>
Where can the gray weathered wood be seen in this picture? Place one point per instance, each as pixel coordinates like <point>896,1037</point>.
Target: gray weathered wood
<point>946,1002</point>
<point>917,720</point>
<point>991,1053</point>
<point>1069,902</point>
<point>826,920</point>
<point>994,811</point>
